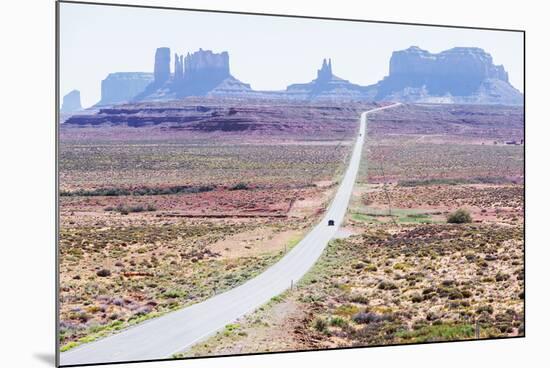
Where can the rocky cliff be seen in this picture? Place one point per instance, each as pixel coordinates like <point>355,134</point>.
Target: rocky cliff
<point>71,102</point>
<point>198,74</point>
<point>458,75</point>
<point>123,87</point>
<point>204,71</point>
<point>162,65</point>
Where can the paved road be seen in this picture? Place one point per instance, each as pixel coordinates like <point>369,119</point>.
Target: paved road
<point>177,331</point>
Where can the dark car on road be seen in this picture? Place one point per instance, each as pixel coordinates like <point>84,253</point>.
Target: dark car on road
<point>330,222</point>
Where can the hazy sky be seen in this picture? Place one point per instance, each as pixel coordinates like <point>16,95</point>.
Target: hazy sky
<point>267,52</point>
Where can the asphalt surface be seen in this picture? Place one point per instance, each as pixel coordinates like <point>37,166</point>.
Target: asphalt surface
<point>177,331</point>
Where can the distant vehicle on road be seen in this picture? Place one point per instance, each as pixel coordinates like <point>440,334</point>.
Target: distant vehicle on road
<point>330,222</point>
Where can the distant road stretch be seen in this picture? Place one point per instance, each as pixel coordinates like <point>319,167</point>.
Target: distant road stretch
<point>177,331</point>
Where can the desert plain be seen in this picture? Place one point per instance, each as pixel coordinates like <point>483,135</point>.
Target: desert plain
<point>163,205</point>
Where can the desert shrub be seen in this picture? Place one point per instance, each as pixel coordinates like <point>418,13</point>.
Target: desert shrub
<point>418,216</point>
<point>428,291</point>
<point>460,216</point>
<point>93,309</point>
<point>103,272</point>
<point>416,298</point>
<point>370,317</point>
<point>124,210</point>
<point>501,276</point>
<point>346,310</point>
<point>338,322</point>
<point>455,181</point>
<point>439,332</point>
<point>417,325</point>
<point>141,311</point>
<point>466,293</point>
<point>118,301</point>
<point>387,285</point>
<point>449,292</point>
<point>142,191</point>
<point>400,266</point>
<point>485,309</point>
<point>361,318</point>
<point>360,299</point>
<point>470,256</point>
<point>83,317</point>
<point>320,324</point>
<point>199,189</point>
<point>137,208</point>
<point>174,294</point>
<point>432,316</point>
<point>110,192</point>
<point>239,186</point>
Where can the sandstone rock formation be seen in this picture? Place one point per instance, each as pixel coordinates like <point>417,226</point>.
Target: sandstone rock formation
<point>204,71</point>
<point>162,65</point>
<point>178,68</point>
<point>201,62</point>
<point>324,74</point>
<point>198,74</point>
<point>458,75</point>
<point>327,86</point>
<point>71,102</point>
<point>156,90</point>
<point>123,87</point>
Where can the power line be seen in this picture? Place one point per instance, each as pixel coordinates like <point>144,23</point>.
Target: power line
<point>386,192</point>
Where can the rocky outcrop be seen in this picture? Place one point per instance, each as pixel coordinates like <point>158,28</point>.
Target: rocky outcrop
<point>231,87</point>
<point>200,73</point>
<point>204,71</point>
<point>458,75</point>
<point>136,116</point>
<point>71,102</point>
<point>462,67</point>
<point>162,65</point>
<point>156,89</point>
<point>123,87</point>
<point>178,68</point>
<point>203,62</point>
<point>324,75</point>
<point>327,86</point>
<point>210,115</point>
